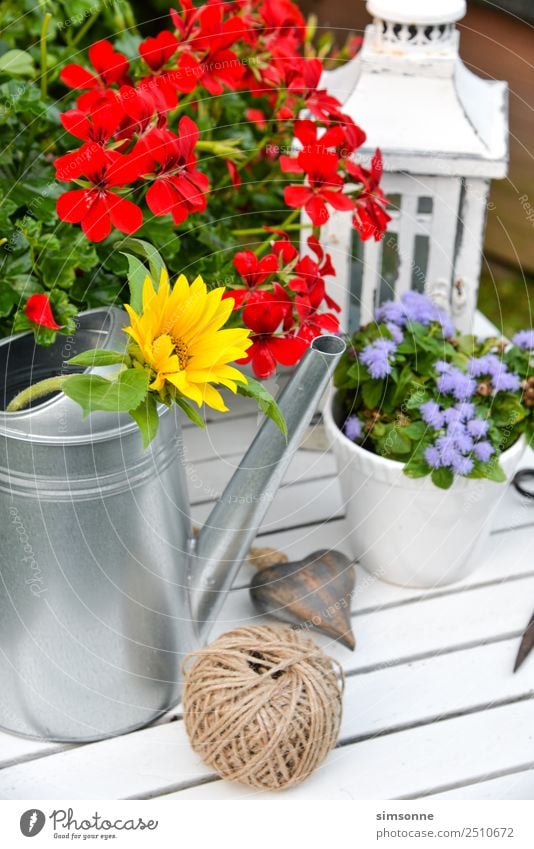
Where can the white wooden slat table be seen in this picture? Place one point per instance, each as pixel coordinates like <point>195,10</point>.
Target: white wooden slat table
<point>431,707</point>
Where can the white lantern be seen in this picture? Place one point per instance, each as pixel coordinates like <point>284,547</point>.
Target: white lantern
<point>443,135</point>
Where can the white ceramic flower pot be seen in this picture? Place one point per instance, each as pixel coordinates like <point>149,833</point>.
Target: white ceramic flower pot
<point>408,531</point>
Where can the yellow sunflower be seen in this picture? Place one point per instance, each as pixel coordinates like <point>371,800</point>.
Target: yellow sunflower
<point>180,335</point>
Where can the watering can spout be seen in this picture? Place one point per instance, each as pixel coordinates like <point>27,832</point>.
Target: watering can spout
<point>225,539</point>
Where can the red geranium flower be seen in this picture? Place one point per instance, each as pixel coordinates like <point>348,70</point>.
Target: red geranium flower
<point>216,65</point>
<point>98,125</point>
<point>39,310</point>
<point>264,314</point>
<point>178,189</point>
<point>257,117</point>
<point>186,21</point>
<point>310,275</point>
<point>370,218</point>
<point>320,165</point>
<point>110,66</point>
<point>254,271</point>
<point>97,208</point>
<point>283,16</point>
<point>157,51</point>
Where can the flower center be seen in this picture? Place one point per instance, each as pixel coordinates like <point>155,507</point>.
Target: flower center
<point>180,349</point>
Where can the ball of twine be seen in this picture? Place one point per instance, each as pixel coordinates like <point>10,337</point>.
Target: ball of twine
<point>262,705</point>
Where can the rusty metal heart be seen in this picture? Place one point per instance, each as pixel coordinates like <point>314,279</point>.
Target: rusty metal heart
<point>315,591</point>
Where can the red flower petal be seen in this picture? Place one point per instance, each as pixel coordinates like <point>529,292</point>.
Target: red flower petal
<point>75,76</point>
<point>73,206</point>
<point>39,311</point>
<point>316,209</point>
<point>97,224</point>
<point>161,197</point>
<point>338,200</point>
<point>297,195</point>
<point>263,361</point>
<point>288,350</point>
<point>125,215</point>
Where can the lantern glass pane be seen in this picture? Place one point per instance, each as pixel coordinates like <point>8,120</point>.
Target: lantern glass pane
<point>425,206</point>
<point>420,262</point>
<point>390,267</point>
<point>394,203</point>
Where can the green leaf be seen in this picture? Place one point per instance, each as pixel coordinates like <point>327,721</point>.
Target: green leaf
<point>190,411</point>
<point>146,251</point>
<point>396,441</point>
<point>147,419</point>
<point>442,478</point>
<point>8,298</point>
<point>265,401</point>
<point>416,467</point>
<point>99,357</point>
<point>17,63</point>
<point>372,393</point>
<point>416,430</point>
<point>137,274</point>
<point>93,392</point>
<point>492,471</point>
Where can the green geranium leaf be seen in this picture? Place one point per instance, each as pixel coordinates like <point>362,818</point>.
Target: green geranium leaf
<point>99,357</point>
<point>8,298</point>
<point>265,401</point>
<point>442,478</point>
<point>17,63</point>
<point>190,411</point>
<point>92,392</point>
<point>147,419</point>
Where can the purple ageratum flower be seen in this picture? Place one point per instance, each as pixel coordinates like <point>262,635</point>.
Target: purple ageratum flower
<point>477,428</point>
<point>452,415</point>
<point>432,456</point>
<point>462,465</point>
<point>447,450</point>
<point>454,382</point>
<point>524,340</point>
<point>431,414</point>
<point>391,311</point>
<point>376,356</point>
<point>483,451</point>
<point>396,333</point>
<point>466,409</point>
<point>491,366</point>
<point>414,306</point>
<point>353,428</point>
<point>483,366</point>
<point>462,440</point>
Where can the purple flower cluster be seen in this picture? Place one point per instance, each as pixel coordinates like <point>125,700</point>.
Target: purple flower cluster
<point>524,340</point>
<point>492,368</point>
<point>460,437</point>
<point>353,428</point>
<point>453,381</point>
<point>414,306</point>
<point>377,357</point>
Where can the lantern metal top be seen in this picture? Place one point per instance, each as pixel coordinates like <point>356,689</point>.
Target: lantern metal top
<point>416,99</point>
<point>417,11</point>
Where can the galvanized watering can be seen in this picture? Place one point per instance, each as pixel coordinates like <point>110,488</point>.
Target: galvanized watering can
<point>103,588</point>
